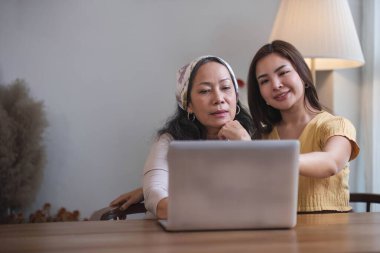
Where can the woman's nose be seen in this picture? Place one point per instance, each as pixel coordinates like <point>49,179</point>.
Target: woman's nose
<point>276,83</point>
<point>218,97</point>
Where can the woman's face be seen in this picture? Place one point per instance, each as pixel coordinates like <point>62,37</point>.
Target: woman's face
<point>280,85</point>
<point>213,97</point>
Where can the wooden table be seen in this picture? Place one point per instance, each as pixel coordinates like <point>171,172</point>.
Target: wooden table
<point>354,232</point>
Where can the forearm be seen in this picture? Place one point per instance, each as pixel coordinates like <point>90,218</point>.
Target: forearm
<point>155,185</point>
<point>318,165</point>
<point>328,162</point>
<point>155,181</point>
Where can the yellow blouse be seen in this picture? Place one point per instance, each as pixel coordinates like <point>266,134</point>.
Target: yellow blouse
<point>330,193</point>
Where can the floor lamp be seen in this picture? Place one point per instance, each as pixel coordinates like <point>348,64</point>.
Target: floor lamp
<point>322,30</point>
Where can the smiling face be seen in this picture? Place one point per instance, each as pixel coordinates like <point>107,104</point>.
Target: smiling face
<point>213,97</point>
<point>280,85</point>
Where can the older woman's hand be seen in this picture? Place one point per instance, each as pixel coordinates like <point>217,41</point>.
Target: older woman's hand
<point>233,130</point>
<point>162,209</point>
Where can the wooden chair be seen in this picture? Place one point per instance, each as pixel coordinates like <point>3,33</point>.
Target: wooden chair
<point>368,198</point>
<point>114,213</point>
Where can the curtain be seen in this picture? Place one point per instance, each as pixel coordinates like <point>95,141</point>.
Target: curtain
<point>368,173</point>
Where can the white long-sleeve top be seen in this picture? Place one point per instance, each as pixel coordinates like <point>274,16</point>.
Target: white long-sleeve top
<point>156,173</point>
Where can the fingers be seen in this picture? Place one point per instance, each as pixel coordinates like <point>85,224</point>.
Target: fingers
<point>233,130</point>
<point>124,201</point>
<point>132,199</point>
<point>126,205</point>
<point>120,200</point>
<point>129,198</point>
<point>225,132</point>
<point>221,135</point>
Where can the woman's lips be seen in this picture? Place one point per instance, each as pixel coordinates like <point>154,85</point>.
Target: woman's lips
<point>219,113</point>
<point>282,96</point>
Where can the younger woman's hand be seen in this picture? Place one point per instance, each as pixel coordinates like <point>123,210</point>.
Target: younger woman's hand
<point>129,198</point>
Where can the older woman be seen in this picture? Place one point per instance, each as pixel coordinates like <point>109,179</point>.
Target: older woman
<point>208,108</point>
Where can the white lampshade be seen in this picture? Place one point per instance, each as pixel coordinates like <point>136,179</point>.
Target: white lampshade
<point>322,30</point>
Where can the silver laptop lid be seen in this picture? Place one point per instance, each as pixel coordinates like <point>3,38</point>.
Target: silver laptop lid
<point>232,184</point>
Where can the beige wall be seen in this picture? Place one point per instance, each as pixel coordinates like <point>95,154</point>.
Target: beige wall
<point>106,73</point>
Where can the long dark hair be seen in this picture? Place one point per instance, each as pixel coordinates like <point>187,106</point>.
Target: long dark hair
<point>182,128</point>
<point>265,116</point>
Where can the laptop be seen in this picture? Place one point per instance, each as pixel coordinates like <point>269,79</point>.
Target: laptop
<point>216,185</point>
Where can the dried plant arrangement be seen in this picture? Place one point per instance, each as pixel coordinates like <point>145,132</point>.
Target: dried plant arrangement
<point>44,215</point>
<point>22,153</point>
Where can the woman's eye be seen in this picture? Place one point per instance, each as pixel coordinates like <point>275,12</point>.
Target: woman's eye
<point>263,81</point>
<point>284,72</point>
<point>226,87</point>
<point>204,91</point>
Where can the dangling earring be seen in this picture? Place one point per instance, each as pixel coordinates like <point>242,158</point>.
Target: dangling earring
<point>188,116</point>
<point>237,109</point>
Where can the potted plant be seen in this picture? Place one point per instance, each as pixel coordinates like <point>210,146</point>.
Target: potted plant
<point>22,153</point>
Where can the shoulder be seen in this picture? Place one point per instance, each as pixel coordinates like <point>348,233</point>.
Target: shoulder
<point>328,125</point>
<point>165,138</point>
<point>158,153</point>
<point>324,117</point>
<point>163,141</point>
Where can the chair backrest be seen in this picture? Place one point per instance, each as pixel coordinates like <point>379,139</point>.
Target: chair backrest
<point>114,213</point>
<point>368,198</point>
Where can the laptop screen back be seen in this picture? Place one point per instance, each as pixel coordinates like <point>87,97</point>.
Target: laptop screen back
<point>232,184</point>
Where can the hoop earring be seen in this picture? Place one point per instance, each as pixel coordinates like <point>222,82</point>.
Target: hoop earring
<point>307,85</point>
<point>188,116</point>
<point>237,109</point>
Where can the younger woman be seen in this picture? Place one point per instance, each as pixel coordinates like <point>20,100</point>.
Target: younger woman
<point>284,105</point>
